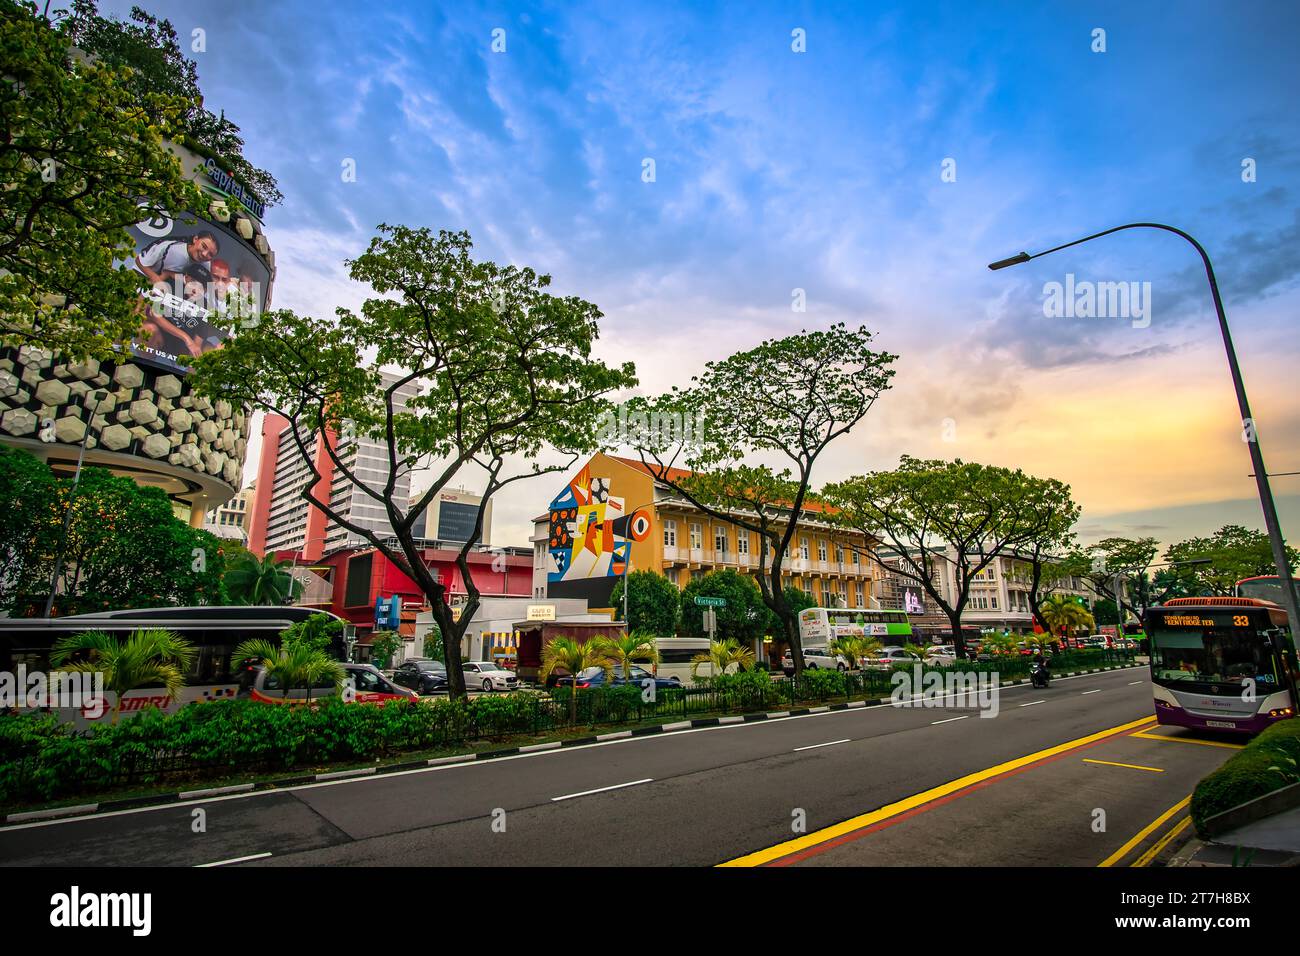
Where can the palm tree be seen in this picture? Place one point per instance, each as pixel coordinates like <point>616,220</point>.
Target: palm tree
<point>575,657</point>
<point>293,665</point>
<point>148,657</point>
<point>722,655</point>
<point>264,581</point>
<point>919,651</point>
<point>855,648</point>
<point>1060,611</point>
<point>999,644</point>
<point>637,646</point>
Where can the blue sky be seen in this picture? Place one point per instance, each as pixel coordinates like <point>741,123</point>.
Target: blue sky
<point>821,171</point>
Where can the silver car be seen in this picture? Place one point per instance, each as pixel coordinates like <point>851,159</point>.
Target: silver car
<point>487,676</point>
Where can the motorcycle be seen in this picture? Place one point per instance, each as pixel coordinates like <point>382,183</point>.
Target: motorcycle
<point>1038,674</point>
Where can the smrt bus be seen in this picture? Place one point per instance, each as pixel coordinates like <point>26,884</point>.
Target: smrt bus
<point>818,626</point>
<point>1221,663</point>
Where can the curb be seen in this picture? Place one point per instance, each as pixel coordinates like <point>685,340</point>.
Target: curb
<point>94,809</point>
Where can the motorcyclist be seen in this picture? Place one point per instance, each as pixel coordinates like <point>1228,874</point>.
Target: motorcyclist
<point>1040,660</point>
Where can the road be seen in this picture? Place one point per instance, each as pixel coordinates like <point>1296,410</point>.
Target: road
<point>872,786</point>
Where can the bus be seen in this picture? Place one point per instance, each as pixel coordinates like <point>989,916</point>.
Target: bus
<point>1266,587</point>
<point>818,626</point>
<point>1221,663</point>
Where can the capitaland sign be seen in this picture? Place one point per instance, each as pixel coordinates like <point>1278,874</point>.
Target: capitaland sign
<point>231,187</point>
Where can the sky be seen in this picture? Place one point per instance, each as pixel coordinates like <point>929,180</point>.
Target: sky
<point>879,170</point>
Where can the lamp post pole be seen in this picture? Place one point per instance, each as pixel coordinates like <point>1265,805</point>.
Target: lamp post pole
<point>1250,434</point>
<point>67,513</point>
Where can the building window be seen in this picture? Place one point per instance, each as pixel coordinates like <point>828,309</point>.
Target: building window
<point>720,540</point>
<point>857,594</point>
<point>839,554</point>
<point>671,575</point>
<point>670,534</point>
<point>855,557</point>
<point>697,536</point>
<point>742,542</point>
<point>803,548</point>
<point>995,602</point>
<point>821,550</point>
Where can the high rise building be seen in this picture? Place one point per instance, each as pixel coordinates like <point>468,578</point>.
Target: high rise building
<point>230,519</point>
<point>283,521</point>
<point>450,517</point>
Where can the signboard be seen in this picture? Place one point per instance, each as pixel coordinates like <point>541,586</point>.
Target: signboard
<point>388,613</point>
<point>541,612</point>
<point>711,601</point>
<point>913,601</point>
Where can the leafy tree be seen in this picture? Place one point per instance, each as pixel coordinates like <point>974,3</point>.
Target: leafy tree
<point>1128,559</point>
<point>652,603</point>
<point>721,657</point>
<point>504,370</point>
<point>320,632</point>
<point>1046,572</point>
<point>788,398</point>
<point>855,648</point>
<point>147,658</point>
<point>83,155</point>
<point>293,665</point>
<point>1234,552</point>
<point>628,648</point>
<point>1103,611</point>
<point>384,644</point>
<point>797,601</point>
<point>929,512</point>
<point>743,616</point>
<point>574,657</point>
<point>263,581</point>
<point>1065,615</point>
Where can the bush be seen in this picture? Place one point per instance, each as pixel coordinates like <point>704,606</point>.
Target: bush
<point>1268,763</point>
<point>745,689</point>
<point>820,684</point>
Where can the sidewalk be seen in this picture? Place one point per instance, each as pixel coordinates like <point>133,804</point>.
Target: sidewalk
<point>1272,841</point>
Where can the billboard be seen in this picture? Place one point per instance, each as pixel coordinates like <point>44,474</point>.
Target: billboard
<point>913,600</point>
<point>196,269</point>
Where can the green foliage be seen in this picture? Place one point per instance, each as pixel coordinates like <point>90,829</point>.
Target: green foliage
<point>320,632</point>
<point>124,547</point>
<point>1061,612</point>
<point>574,657</point>
<point>1234,552</point>
<point>746,689</point>
<point>149,657</point>
<point>626,649</point>
<point>294,665</point>
<point>721,656</point>
<point>652,603</point>
<point>83,157</point>
<point>383,645</point>
<point>261,581</point>
<point>819,684</point>
<point>743,618</point>
<point>1268,763</point>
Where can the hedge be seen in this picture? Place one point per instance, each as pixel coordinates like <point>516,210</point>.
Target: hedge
<point>1268,763</point>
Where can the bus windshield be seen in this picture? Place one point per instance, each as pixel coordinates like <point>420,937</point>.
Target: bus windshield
<point>1267,588</point>
<point>1215,656</point>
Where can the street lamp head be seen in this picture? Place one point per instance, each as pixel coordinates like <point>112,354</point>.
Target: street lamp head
<point>100,396</point>
<point>1013,261</point>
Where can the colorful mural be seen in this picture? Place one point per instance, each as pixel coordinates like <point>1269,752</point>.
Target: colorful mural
<point>590,534</point>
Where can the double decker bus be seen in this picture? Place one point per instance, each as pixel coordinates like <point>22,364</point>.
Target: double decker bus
<point>1221,663</point>
<point>818,626</point>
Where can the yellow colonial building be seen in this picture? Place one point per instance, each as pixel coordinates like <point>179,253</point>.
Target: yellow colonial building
<point>613,516</point>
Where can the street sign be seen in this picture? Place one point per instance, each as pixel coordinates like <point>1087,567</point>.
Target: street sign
<point>711,602</point>
<point>541,612</point>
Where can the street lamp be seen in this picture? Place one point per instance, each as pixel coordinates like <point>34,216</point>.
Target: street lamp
<point>1247,421</point>
<point>100,395</point>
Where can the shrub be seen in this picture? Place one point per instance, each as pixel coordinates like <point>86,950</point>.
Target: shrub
<point>1268,763</point>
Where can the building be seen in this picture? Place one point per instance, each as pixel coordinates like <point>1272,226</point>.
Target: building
<point>613,516</point>
<point>137,415</point>
<point>451,516</point>
<point>283,521</point>
<point>229,519</point>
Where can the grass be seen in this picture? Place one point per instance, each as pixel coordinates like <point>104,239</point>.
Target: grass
<point>1268,763</point>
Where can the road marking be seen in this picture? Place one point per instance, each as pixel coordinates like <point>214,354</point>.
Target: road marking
<point>949,720</point>
<point>1131,766</point>
<point>1187,740</point>
<point>1145,832</point>
<point>1087,692</point>
<point>829,744</point>
<point>862,821</point>
<point>1160,844</point>
<point>1134,683</point>
<point>586,793</point>
<point>238,859</point>
<point>1032,702</point>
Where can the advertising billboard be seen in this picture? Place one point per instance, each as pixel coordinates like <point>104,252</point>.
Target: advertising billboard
<point>197,269</point>
<point>913,600</point>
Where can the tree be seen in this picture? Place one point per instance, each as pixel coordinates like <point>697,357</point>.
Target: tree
<point>83,155</point>
<point>291,665</point>
<point>574,657</point>
<point>652,603</point>
<point>124,547</point>
<point>504,370</point>
<point>383,645</point>
<point>262,581</point>
<point>1065,615</point>
<point>147,658</point>
<point>855,648</point>
<point>1046,573</point>
<point>788,398</point>
<point>929,512</point>
<point>797,601</point>
<point>721,657</point>
<point>743,616</point>
<point>1234,552</point>
<point>627,648</point>
<point>319,632</point>
<point>1125,558</point>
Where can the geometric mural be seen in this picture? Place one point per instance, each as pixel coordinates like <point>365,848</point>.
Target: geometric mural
<point>589,537</point>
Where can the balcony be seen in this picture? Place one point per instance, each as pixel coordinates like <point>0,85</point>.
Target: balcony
<point>823,566</point>
<point>696,556</point>
<point>672,554</point>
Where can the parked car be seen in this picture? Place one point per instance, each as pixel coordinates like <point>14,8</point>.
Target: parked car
<point>816,658</point>
<point>488,676</point>
<point>422,674</point>
<point>887,657</point>
<point>368,684</point>
<point>595,677</point>
<point>942,655</point>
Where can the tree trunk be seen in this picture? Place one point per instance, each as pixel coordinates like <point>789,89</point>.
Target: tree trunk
<point>958,640</point>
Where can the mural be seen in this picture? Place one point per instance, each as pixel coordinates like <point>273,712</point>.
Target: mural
<point>590,534</point>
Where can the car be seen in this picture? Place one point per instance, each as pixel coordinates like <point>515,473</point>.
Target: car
<point>595,677</point>
<point>488,676</point>
<point>815,658</point>
<point>365,685</point>
<point>422,674</point>
<point>887,657</point>
<point>942,655</point>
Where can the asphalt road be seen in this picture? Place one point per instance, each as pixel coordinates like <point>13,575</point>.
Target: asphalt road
<point>708,796</point>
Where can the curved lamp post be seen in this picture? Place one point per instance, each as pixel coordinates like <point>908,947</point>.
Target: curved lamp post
<point>1247,422</point>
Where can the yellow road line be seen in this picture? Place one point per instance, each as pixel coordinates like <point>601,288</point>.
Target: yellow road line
<point>759,857</point>
<point>1131,766</point>
<point>1187,740</point>
<point>1151,854</point>
<point>1144,833</point>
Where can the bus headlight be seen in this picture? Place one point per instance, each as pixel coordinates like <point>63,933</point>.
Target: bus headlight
<point>1280,712</point>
